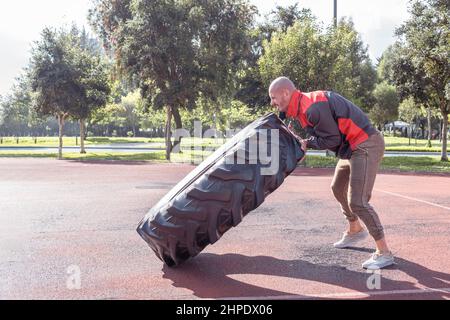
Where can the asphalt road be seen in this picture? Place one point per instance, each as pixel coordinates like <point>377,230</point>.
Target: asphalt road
<point>67,231</point>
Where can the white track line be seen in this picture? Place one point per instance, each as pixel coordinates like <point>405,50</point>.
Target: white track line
<point>414,199</point>
<point>346,295</point>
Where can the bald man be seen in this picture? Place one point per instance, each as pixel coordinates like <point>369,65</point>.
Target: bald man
<point>334,123</point>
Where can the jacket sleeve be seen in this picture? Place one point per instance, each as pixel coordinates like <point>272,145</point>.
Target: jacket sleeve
<point>326,133</point>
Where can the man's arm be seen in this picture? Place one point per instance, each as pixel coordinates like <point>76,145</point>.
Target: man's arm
<point>326,132</point>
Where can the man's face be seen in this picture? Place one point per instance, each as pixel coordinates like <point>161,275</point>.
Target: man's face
<point>279,99</point>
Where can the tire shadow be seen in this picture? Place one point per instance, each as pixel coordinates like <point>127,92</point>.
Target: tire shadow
<point>211,276</point>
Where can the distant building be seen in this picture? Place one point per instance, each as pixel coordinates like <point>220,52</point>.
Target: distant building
<point>399,126</point>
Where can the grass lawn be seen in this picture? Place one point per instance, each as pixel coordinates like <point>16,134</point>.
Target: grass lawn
<point>68,141</point>
<point>419,164</point>
<point>401,164</point>
<point>72,141</point>
<point>392,143</point>
<point>401,144</point>
<point>150,156</point>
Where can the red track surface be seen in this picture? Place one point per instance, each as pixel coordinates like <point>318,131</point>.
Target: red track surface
<point>55,214</point>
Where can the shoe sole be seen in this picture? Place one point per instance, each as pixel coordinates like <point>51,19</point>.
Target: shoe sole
<point>378,267</point>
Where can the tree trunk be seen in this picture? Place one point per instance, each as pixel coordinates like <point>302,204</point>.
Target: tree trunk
<point>86,125</point>
<point>444,156</point>
<point>178,124</point>
<point>82,136</point>
<point>168,133</point>
<point>61,118</point>
<point>410,133</point>
<point>429,127</point>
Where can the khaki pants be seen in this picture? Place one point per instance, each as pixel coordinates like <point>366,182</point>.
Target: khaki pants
<point>353,183</point>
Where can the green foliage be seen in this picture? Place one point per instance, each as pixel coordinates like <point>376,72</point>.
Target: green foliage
<point>67,77</point>
<point>314,59</point>
<point>53,78</point>
<point>295,54</point>
<point>106,17</point>
<point>15,115</point>
<point>418,63</point>
<point>386,104</point>
<point>350,70</point>
<point>251,88</point>
<point>226,116</point>
<point>420,66</point>
<point>127,115</point>
<point>408,111</point>
<point>178,49</point>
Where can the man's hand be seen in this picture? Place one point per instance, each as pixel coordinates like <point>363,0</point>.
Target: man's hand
<point>303,142</point>
<point>291,129</point>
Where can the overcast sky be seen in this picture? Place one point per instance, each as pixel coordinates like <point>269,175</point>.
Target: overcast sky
<point>21,22</point>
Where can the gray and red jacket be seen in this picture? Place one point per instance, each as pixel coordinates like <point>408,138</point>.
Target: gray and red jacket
<point>333,122</point>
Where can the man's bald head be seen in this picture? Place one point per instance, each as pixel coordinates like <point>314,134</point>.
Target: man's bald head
<point>280,92</point>
<point>282,83</point>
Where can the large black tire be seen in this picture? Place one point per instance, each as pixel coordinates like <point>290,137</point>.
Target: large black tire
<point>216,195</point>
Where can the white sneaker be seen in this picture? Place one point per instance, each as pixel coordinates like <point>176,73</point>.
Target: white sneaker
<point>379,261</point>
<point>349,240</point>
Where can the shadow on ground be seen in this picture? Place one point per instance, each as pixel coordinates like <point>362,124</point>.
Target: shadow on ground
<point>210,276</point>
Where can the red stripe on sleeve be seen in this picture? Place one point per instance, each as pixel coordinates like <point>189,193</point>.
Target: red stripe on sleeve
<point>354,134</point>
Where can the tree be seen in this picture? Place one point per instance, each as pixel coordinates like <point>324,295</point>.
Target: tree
<point>350,69</point>
<point>176,51</point>
<point>408,112</point>
<point>67,81</point>
<point>133,111</point>
<point>93,79</point>
<point>295,54</point>
<point>52,78</point>
<point>284,17</point>
<point>13,118</point>
<point>108,119</point>
<point>424,40</point>
<point>18,118</point>
<point>107,17</point>
<point>313,59</point>
<point>1,114</point>
<point>386,104</point>
<point>252,89</point>
<point>397,68</point>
